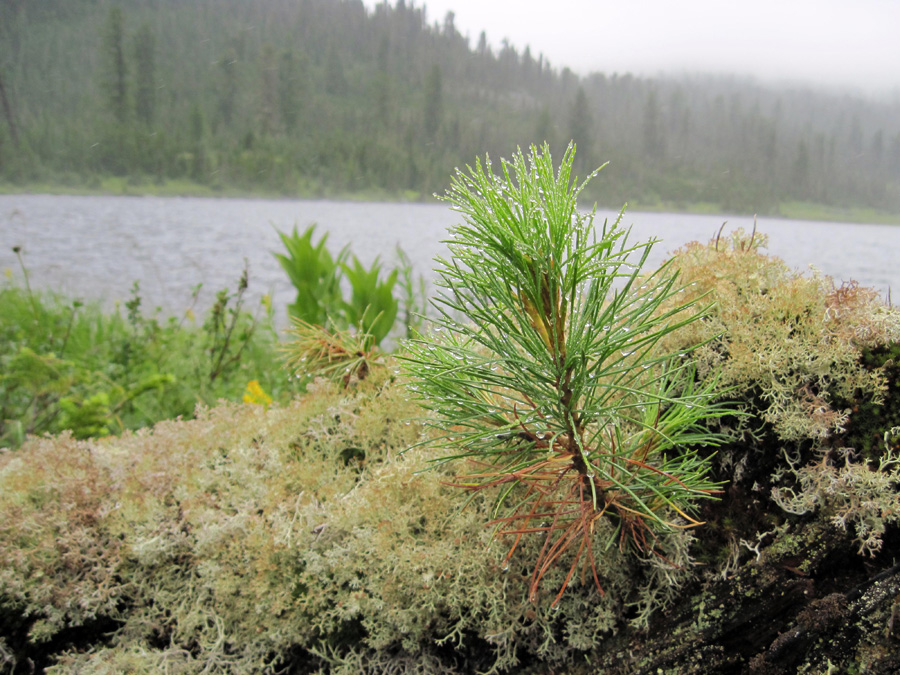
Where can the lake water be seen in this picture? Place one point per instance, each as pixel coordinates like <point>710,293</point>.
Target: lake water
<point>96,247</point>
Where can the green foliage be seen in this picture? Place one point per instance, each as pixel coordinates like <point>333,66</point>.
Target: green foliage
<point>67,365</point>
<point>145,75</point>
<point>315,275</point>
<point>553,387</point>
<point>413,294</point>
<point>114,84</point>
<point>372,308</point>
<point>228,329</point>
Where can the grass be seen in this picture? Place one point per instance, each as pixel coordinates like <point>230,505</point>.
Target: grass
<point>70,365</point>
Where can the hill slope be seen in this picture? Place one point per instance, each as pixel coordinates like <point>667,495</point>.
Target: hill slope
<point>322,97</point>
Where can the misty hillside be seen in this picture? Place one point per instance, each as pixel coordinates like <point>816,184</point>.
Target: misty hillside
<point>322,97</point>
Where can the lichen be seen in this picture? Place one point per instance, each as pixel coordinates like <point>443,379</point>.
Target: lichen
<point>310,537</point>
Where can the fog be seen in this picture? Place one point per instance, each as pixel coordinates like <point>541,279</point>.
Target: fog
<point>826,43</point>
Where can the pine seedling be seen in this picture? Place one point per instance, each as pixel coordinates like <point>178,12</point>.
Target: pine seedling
<point>545,372</point>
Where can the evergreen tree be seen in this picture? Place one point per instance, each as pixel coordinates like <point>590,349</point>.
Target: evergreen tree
<point>543,132</point>
<point>268,89</point>
<point>7,112</point>
<point>581,125</point>
<point>653,136</point>
<point>434,104</point>
<point>801,169</point>
<point>115,77</point>
<point>145,75</point>
<point>289,89</point>
<point>227,86</point>
<point>386,99</point>
<point>196,128</point>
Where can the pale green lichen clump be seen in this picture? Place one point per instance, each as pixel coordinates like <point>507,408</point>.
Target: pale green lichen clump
<point>791,342</point>
<point>250,537</point>
<point>790,348</point>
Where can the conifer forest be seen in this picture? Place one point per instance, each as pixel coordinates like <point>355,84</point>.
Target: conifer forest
<point>328,98</point>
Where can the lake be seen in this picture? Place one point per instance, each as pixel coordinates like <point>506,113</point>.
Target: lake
<point>96,247</point>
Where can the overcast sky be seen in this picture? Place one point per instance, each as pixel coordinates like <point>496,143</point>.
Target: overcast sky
<point>826,42</point>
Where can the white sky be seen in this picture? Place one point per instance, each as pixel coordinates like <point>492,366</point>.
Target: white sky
<point>841,43</point>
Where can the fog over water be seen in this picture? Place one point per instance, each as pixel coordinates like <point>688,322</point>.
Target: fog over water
<point>831,43</point>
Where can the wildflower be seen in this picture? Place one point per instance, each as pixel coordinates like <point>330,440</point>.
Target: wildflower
<point>256,395</point>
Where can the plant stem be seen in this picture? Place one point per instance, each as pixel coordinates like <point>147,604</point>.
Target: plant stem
<point>18,251</point>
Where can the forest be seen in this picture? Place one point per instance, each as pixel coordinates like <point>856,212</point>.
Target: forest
<point>324,98</point>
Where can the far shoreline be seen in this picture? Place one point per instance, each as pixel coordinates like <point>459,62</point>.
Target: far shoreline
<point>128,187</point>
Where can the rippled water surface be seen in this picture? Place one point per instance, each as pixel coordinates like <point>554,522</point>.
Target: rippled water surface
<point>96,247</point>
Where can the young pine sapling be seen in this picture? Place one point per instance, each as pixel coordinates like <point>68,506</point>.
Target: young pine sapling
<point>553,384</point>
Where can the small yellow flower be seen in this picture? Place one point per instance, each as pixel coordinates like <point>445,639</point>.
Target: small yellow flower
<point>7,272</point>
<point>255,394</point>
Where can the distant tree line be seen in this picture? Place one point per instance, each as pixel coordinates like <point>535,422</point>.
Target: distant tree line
<point>322,97</point>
